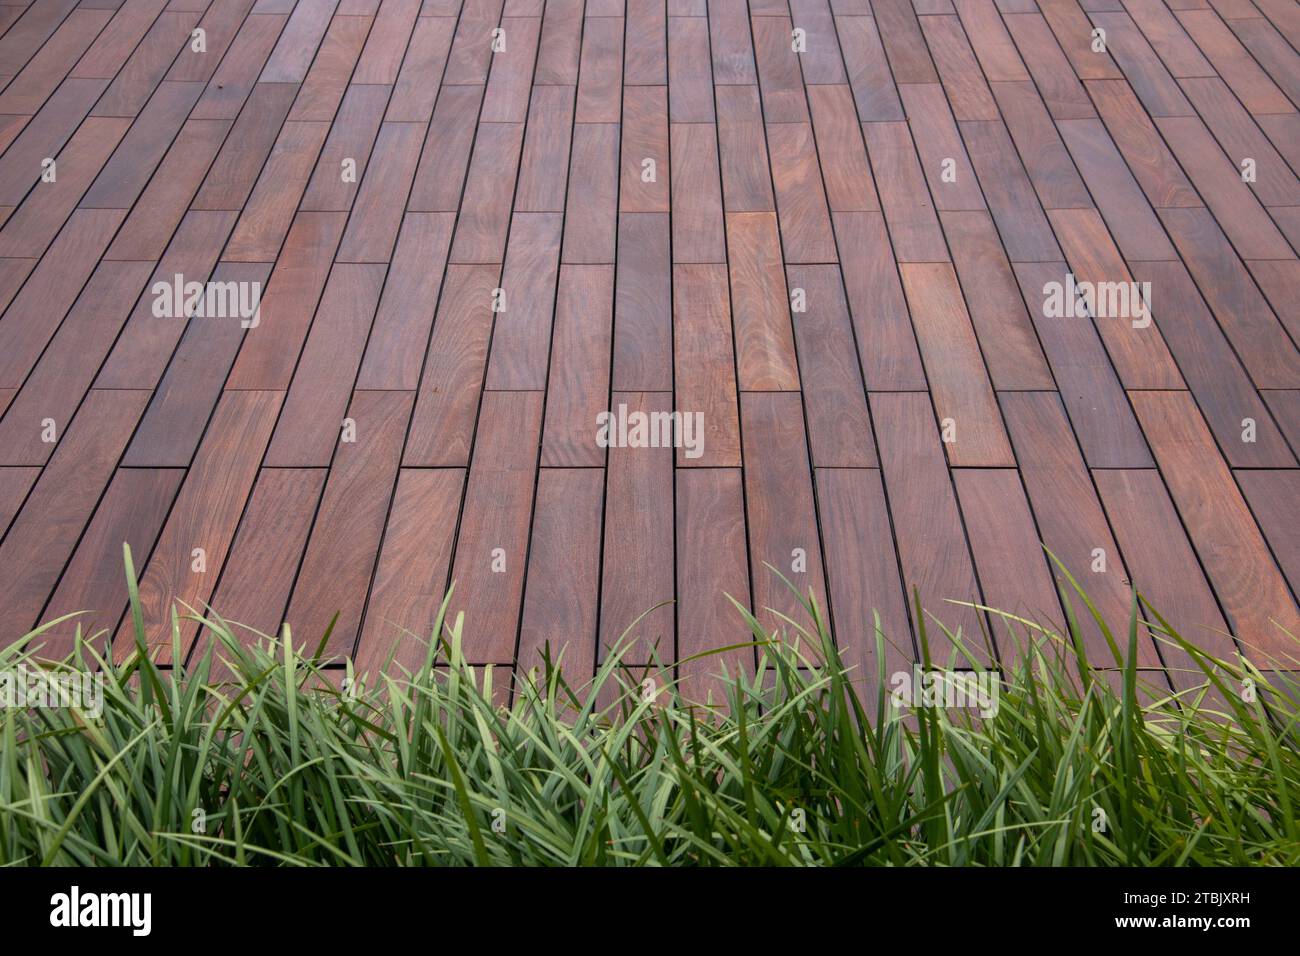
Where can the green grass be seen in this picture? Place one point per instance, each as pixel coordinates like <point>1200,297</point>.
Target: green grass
<point>273,764</point>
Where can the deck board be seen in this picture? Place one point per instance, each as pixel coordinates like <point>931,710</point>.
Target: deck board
<point>830,227</point>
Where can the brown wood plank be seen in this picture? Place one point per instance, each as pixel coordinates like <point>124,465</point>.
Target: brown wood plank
<point>862,574</point>
<point>1232,550</point>
<point>839,426</point>
<point>886,344</point>
<point>1272,495</point>
<point>315,406</point>
<point>746,180</point>
<point>705,374</point>
<point>1006,335</point>
<point>645,137</point>
<point>442,428</point>
<point>579,380</point>
<point>643,322</point>
<point>781,510</point>
<point>713,569</point>
<point>344,543</point>
<point>562,592</point>
<point>491,550</point>
<point>698,231</point>
<point>1164,566</point>
<point>411,579</point>
<point>395,350</point>
<point>637,577</point>
<point>963,398</point>
<point>931,542</point>
<point>1070,520</point>
<point>93,585</point>
<point>205,516</point>
<point>1009,559</point>
<point>44,534</point>
<point>904,197</point>
<point>257,580</point>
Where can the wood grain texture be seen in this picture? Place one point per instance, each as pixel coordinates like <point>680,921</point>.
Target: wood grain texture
<point>826,235</point>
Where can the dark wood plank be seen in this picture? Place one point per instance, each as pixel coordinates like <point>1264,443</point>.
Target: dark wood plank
<point>931,541</point>
<point>839,426</point>
<point>344,542</point>
<point>1070,520</point>
<point>192,548</point>
<point>492,547</point>
<point>781,509</point>
<point>93,586</point>
<point>562,592</point>
<point>637,574</point>
<point>256,582</point>
<point>1009,559</point>
<point>703,364</point>
<point>713,569</point>
<point>643,322</point>
<point>1250,587</point>
<point>45,533</point>
<point>411,578</point>
<point>446,408</point>
<point>579,380</point>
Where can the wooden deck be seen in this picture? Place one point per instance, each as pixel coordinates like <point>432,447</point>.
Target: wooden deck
<point>836,260</point>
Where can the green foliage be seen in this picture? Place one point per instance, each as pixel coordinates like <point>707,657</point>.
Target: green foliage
<point>259,753</point>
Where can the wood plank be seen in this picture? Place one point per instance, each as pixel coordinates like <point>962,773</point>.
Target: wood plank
<point>963,397</point>
<point>862,574</point>
<point>411,578</point>
<point>997,311</point>
<point>1099,413</point>
<point>1009,559</point>
<point>444,160</point>
<point>804,218</point>
<point>904,197</point>
<point>442,428</point>
<point>522,333</point>
<point>1252,327</point>
<point>781,510</point>
<point>931,542</point>
<point>886,344</point>
<point>543,172</point>
<point>705,375</point>
<point>1164,566</point>
<point>66,369</point>
<point>637,575</point>
<point>316,404</point>
<point>643,321</point>
<point>590,222</point>
<point>698,230</point>
<point>579,380</point>
<point>194,542</point>
<point>742,145</point>
<point>943,157</point>
<point>270,352</point>
<point>1271,495</point>
<point>645,137</point>
<point>257,580</point>
<point>45,533</point>
<point>1010,197</point>
<point>562,592</point>
<point>839,426</point>
<point>1222,388</point>
<point>868,69</point>
<point>344,542</point>
<point>1070,520</point>
<point>1251,590</point>
<point>713,569</point>
<point>93,586</point>
<point>377,212</point>
<point>491,549</point>
<point>400,334</point>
